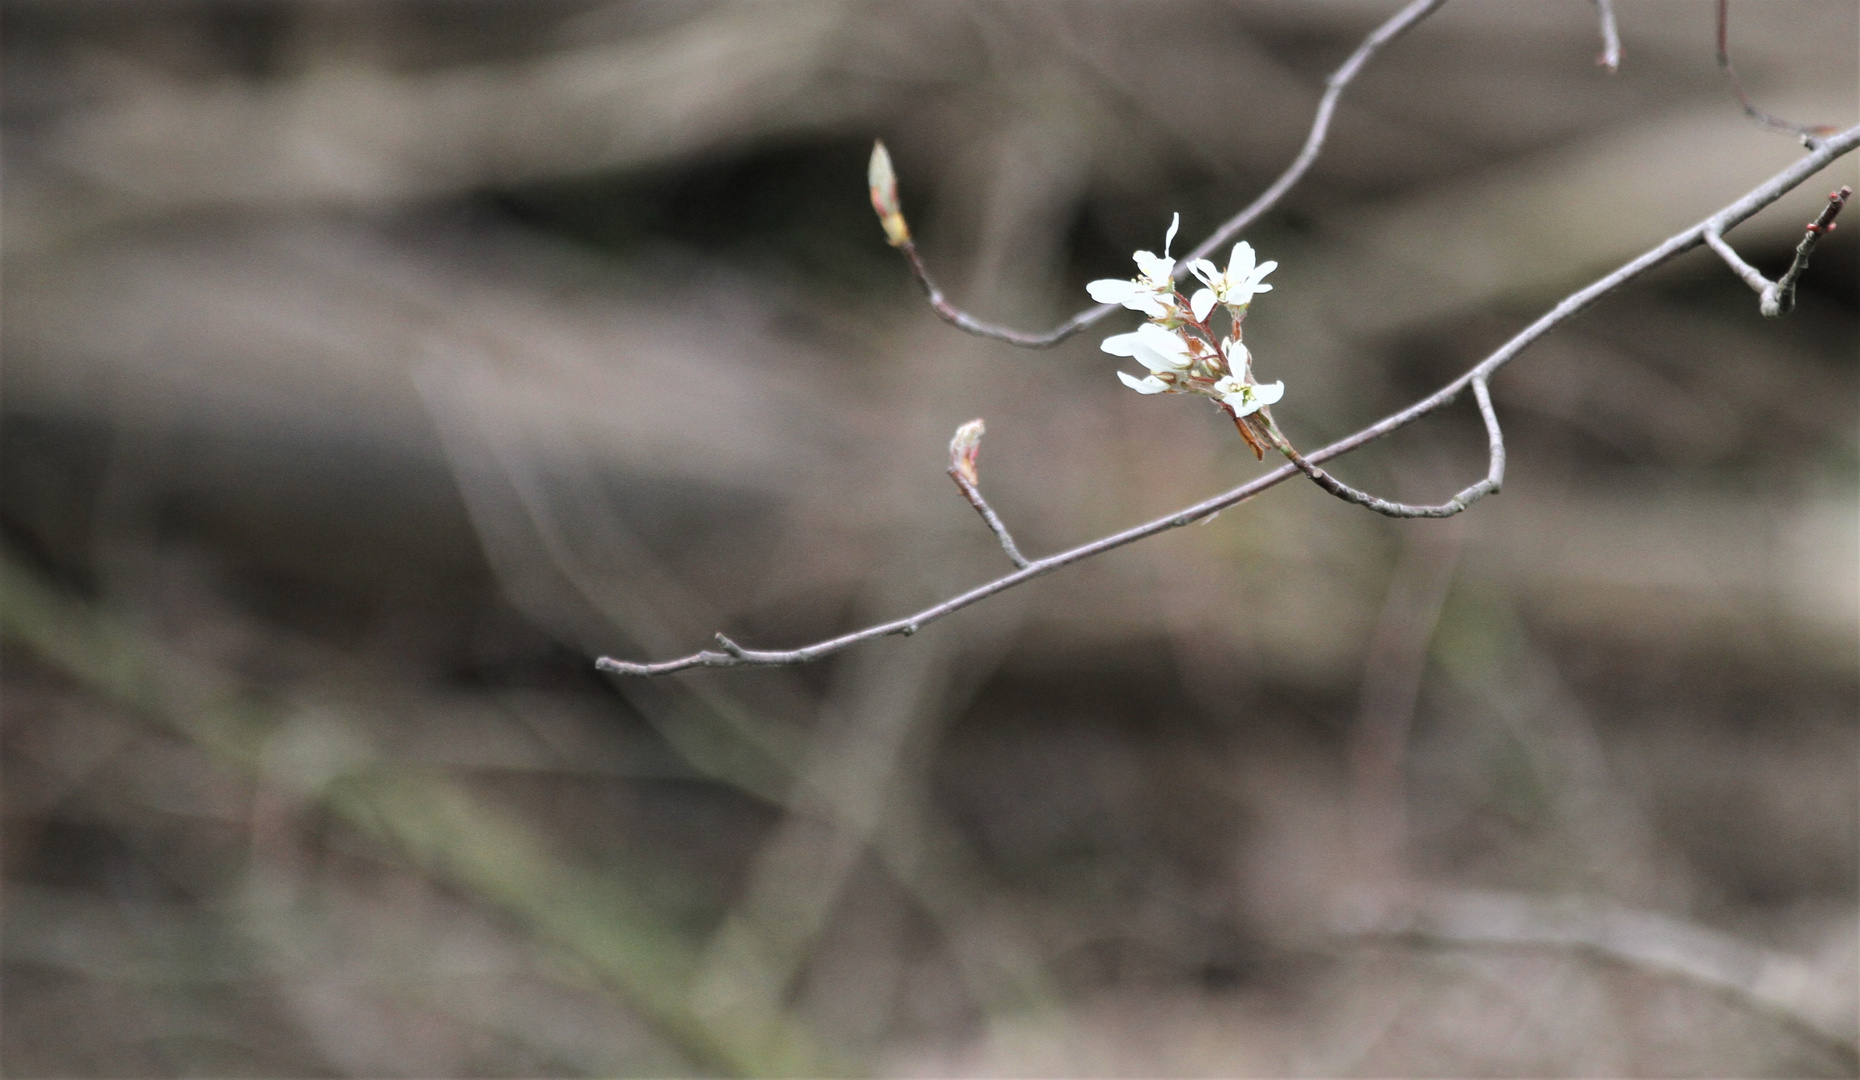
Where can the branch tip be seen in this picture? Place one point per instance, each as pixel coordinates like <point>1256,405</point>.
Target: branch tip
<point>1779,299</point>
<point>882,181</point>
<point>965,447</point>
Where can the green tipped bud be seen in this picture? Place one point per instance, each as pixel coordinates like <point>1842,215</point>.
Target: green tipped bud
<point>963,450</point>
<point>883,183</point>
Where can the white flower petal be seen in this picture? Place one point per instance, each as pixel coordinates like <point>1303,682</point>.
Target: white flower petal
<point>1241,294</point>
<point>1242,403</point>
<point>1238,358</point>
<point>1112,290</point>
<point>1157,273</point>
<point>1240,261</point>
<point>1205,272</point>
<point>1156,349</point>
<point>1159,339</point>
<point>1174,224</point>
<point>1147,385</point>
<point>1163,341</point>
<point>1134,295</point>
<point>1122,344</point>
<point>1159,362</point>
<point>1155,361</point>
<point>1244,400</point>
<point>1201,304</point>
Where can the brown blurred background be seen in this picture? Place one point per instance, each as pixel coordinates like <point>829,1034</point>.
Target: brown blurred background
<point>372,367</point>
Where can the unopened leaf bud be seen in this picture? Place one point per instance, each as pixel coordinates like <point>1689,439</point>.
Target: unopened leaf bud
<point>963,450</point>
<point>883,183</point>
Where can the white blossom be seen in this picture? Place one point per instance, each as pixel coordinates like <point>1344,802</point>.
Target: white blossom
<point>1239,360</point>
<point>1237,285</point>
<point>1182,356</point>
<point>1132,294</point>
<point>1153,347</point>
<point>1245,397</point>
<point>1149,384</point>
<point>1152,291</point>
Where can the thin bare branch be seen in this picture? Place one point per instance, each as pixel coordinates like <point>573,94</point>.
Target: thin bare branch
<point>1751,275</point>
<point>974,495</point>
<point>1494,477</point>
<point>965,450</point>
<point>1611,36</point>
<point>1759,197</point>
<point>1334,86</point>
<point>1809,133</point>
<point>1777,298</point>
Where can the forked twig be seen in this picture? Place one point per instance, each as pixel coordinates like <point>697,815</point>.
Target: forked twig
<point>1777,298</point>
<point>1478,376</point>
<point>1334,86</point>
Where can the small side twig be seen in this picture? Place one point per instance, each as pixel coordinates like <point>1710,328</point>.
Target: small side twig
<point>963,450</point>
<point>1611,37</point>
<point>1782,300</point>
<point>1777,298</point>
<point>974,495</point>
<point>1810,134</point>
<point>1490,485</point>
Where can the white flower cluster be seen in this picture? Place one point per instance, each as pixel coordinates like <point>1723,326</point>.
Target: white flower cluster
<point>1177,345</point>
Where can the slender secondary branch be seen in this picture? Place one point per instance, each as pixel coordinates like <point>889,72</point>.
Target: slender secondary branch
<point>1756,199</point>
<point>964,451</point>
<point>1494,476</point>
<point>1334,86</point>
<point>1751,275</point>
<point>1777,298</point>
